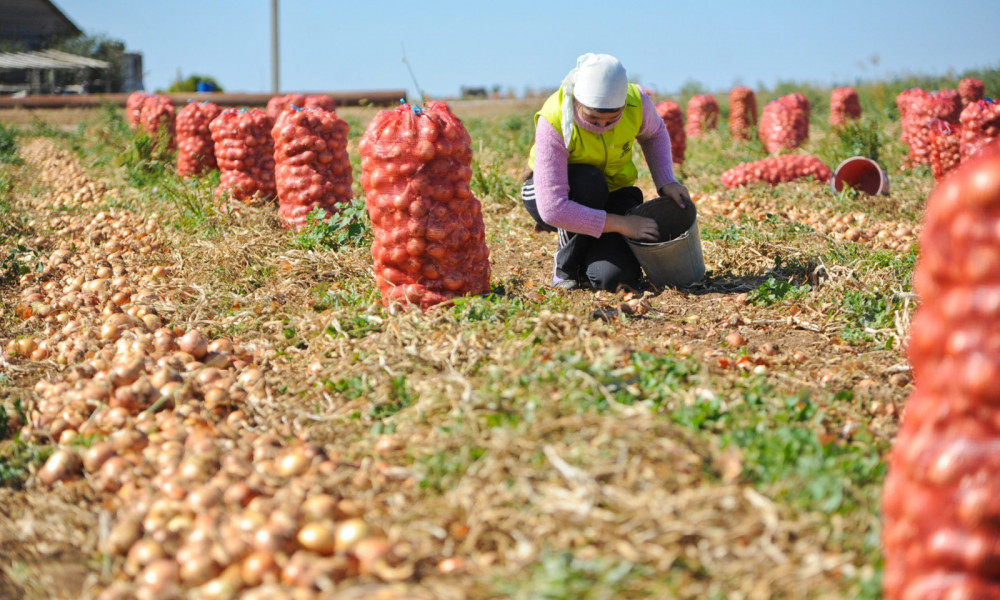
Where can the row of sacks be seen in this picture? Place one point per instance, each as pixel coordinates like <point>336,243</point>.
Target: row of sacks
<point>945,127</point>
<point>783,124</point>
<point>429,235</point>
<point>941,128</point>
<point>295,150</point>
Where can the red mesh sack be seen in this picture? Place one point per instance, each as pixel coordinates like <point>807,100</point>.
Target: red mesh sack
<point>844,105</point>
<point>312,168</point>
<point>971,90</point>
<point>133,108</point>
<point>244,151</point>
<point>742,112</point>
<point>672,117</point>
<point>941,496</point>
<point>195,148</point>
<point>702,115</point>
<point>277,104</point>
<point>777,169</point>
<point>321,101</point>
<point>430,242</point>
<point>157,117</point>
<point>980,125</point>
<point>923,109</point>
<point>904,102</point>
<point>784,123</point>
<point>944,147</point>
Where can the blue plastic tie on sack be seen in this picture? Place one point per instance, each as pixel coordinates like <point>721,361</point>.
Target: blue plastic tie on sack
<point>416,109</point>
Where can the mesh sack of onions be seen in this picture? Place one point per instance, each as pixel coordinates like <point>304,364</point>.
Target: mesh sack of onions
<point>702,115</point>
<point>672,117</point>
<point>971,90</point>
<point>320,101</point>
<point>133,108</point>
<point>244,151</point>
<point>784,123</point>
<point>944,144</point>
<point>777,169</point>
<point>980,124</point>
<point>941,496</point>
<point>195,148</point>
<point>277,104</point>
<point>430,242</point>
<point>157,117</point>
<point>844,105</point>
<point>312,168</point>
<point>742,112</point>
<point>922,110</point>
<point>904,102</point>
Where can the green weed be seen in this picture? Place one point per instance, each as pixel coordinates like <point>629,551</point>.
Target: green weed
<point>490,182</point>
<point>349,226</point>
<point>564,576</point>
<point>867,313</point>
<point>775,290</point>
<point>18,261</point>
<point>17,457</point>
<point>442,469</point>
<point>8,144</point>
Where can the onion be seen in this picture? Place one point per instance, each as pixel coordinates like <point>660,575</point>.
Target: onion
<point>193,343</point>
<point>61,466</point>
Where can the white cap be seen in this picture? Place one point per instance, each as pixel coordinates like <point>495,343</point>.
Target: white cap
<point>601,81</point>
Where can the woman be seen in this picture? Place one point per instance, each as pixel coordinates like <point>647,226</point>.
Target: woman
<point>582,180</point>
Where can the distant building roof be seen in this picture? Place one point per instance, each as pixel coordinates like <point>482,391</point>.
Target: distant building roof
<point>48,59</point>
<point>32,22</point>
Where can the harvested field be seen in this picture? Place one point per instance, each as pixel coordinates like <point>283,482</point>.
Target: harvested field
<point>238,416</point>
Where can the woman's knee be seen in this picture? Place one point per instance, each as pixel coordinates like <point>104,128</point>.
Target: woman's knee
<point>611,275</point>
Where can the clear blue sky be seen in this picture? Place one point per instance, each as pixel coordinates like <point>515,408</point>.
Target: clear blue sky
<point>530,44</point>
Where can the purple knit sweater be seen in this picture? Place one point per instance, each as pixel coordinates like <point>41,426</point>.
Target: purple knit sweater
<point>551,176</point>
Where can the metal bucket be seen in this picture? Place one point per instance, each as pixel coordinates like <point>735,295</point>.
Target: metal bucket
<point>676,259</point>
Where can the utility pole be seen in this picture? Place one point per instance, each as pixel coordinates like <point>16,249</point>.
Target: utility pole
<point>275,78</point>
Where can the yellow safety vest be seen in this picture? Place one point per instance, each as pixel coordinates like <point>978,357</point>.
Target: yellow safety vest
<point>611,152</point>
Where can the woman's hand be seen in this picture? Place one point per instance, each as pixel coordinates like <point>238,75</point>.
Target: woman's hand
<point>676,192</point>
<point>641,229</point>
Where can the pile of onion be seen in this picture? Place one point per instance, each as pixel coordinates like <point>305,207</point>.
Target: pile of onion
<point>941,501</point>
<point>784,123</point>
<point>312,168</point>
<point>195,148</point>
<point>673,118</point>
<point>945,141</point>
<point>980,126</point>
<point>133,108</point>
<point>430,242</point>
<point>918,109</point>
<point>244,151</point>
<point>777,169</point>
<point>971,89</point>
<point>157,117</point>
<point>702,115</point>
<point>742,112</point>
<point>844,106</point>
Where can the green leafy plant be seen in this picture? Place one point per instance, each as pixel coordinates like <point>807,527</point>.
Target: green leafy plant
<point>564,576</point>
<point>8,144</point>
<point>17,262</point>
<point>349,226</point>
<point>775,290</point>
<point>17,456</point>
<point>860,137</point>
<point>868,312</point>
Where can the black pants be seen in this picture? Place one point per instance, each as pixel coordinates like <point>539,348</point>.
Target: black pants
<point>606,262</point>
